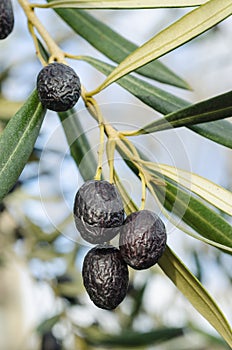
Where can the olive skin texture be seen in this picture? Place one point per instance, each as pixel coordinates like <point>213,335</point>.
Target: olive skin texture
<point>98,211</point>
<point>58,86</point>
<point>142,239</point>
<point>105,276</point>
<point>6,18</point>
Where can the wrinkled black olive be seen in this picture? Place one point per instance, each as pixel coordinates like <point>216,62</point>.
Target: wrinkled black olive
<point>6,18</point>
<point>142,239</point>
<point>98,211</point>
<point>105,276</point>
<point>58,86</point>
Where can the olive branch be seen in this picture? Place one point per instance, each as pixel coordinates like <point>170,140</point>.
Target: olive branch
<point>158,179</point>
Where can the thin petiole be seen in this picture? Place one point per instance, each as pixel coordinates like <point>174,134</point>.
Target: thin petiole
<point>110,149</point>
<point>35,40</point>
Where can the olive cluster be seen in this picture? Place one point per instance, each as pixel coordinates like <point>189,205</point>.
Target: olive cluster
<point>99,217</point>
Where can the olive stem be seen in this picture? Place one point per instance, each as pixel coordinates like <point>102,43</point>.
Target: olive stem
<point>101,141</point>
<point>41,6</point>
<point>131,133</point>
<point>144,187</point>
<point>56,53</point>
<point>127,148</point>
<point>34,37</point>
<point>123,134</point>
<point>129,205</point>
<point>110,149</point>
<point>130,145</point>
<point>73,57</point>
<point>93,108</point>
<point>100,151</point>
<point>122,143</point>
<point>50,5</point>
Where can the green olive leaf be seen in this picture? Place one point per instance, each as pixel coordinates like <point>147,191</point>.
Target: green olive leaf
<point>17,141</point>
<point>204,188</point>
<point>194,291</point>
<point>186,28</point>
<point>215,108</point>
<point>219,131</point>
<point>195,213</point>
<point>131,339</point>
<point>113,45</point>
<point>122,4</point>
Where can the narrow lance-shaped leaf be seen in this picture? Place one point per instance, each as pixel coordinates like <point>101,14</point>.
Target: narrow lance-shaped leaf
<point>193,290</point>
<point>123,4</point>
<point>195,213</point>
<point>113,45</point>
<point>132,339</point>
<point>218,107</point>
<point>206,189</point>
<point>219,131</point>
<point>188,27</point>
<point>17,141</point>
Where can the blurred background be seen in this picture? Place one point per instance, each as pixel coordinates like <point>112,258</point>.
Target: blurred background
<point>43,304</point>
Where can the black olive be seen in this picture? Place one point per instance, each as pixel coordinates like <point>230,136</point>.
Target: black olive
<point>98,211</point>
<point>142,239</point>
<point>105,276</point>
<point>58,86</point>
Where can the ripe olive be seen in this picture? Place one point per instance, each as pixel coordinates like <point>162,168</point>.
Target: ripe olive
<point>98,211</point>
<point>142,239</point>
<point>105,276</point>
<point>58,86</point>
